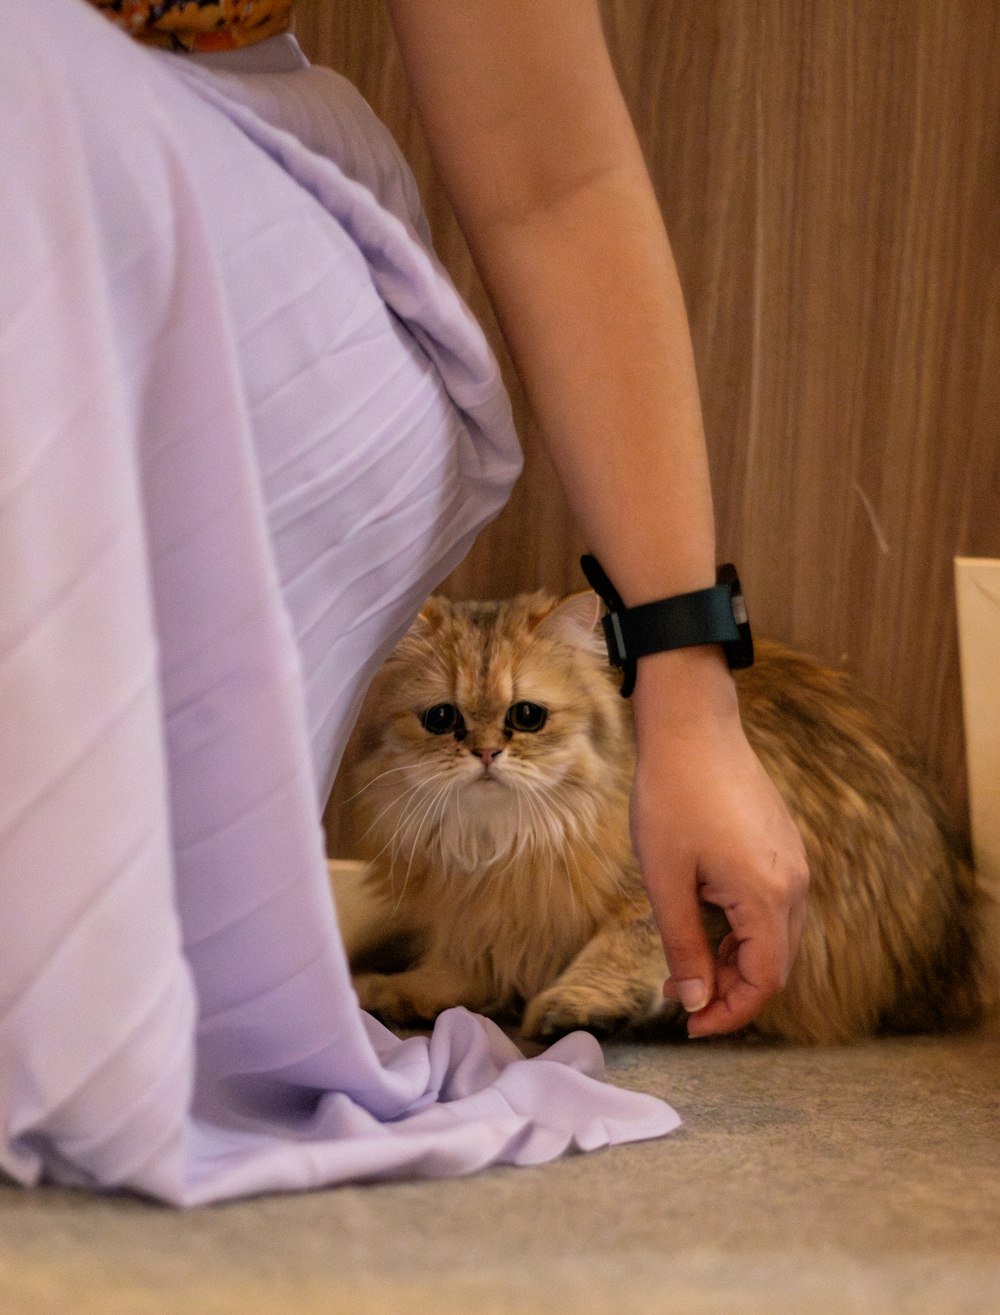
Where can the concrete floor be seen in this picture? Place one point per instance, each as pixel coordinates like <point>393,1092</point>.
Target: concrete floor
<point>863,1179</point>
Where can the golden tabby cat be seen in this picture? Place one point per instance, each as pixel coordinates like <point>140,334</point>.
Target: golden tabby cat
<point>494,759</point>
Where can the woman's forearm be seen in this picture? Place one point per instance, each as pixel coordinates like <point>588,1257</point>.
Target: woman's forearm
<point>535,147</point>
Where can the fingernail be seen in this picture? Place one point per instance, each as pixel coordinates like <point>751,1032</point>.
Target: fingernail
<point>692,993</point>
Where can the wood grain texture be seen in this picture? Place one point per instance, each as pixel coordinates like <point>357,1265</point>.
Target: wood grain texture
<point>829,171</point>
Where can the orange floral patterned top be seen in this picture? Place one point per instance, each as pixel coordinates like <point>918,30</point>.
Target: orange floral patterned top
<point>199,24</point>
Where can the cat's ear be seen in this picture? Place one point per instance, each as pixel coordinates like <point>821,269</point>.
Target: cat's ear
<point>423,628</point>
<point>573,620</point>
<point>431,615</point>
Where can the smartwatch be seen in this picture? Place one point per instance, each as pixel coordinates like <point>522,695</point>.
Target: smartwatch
<point>707,616</point>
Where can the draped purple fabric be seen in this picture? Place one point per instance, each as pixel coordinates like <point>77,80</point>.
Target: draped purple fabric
<point>246,425</point>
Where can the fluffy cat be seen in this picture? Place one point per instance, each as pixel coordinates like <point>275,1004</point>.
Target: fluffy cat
<point>493,761</point>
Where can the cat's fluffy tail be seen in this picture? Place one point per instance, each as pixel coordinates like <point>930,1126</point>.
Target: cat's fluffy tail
<point>956,985</point>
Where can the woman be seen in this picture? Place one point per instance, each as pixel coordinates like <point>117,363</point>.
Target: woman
<point>247,428</point>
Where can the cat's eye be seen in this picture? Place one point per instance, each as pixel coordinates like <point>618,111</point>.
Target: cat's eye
<point>525,716</point>
<point>443,719</point>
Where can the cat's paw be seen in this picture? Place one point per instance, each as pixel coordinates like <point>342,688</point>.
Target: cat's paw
<point>387,997</point>
<point>559,1010</point>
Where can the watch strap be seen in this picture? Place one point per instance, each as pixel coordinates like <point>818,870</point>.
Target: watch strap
<point>716,615</point>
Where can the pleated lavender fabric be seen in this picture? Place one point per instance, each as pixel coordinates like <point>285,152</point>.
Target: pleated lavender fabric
<point>246,425</point>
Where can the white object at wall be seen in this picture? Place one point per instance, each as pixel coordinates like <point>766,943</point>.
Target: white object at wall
<point>977,591</point>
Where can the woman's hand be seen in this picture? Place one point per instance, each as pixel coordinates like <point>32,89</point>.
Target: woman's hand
<point>709,825</point>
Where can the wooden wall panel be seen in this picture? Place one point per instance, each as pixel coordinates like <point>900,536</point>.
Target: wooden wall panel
<point>830,175</point>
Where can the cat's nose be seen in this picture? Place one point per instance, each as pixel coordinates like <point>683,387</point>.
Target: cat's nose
<point>487,755</point>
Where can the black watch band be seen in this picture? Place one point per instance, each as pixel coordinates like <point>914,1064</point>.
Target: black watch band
<point>707,616</point>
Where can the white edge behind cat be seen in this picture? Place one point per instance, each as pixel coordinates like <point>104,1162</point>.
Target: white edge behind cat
<point>352,899</point>
<point>977,593</point>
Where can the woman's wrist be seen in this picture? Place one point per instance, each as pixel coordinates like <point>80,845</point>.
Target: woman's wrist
<point>685,689</point>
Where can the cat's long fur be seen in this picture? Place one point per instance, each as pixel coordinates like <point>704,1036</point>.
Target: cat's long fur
<point>502,856</point>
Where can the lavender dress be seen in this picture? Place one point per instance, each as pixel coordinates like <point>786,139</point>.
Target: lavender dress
<point>246,425</point>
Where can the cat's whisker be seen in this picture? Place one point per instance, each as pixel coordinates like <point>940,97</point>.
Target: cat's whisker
<point>526,833</point>
<point>555,819</point>
<point>435,813</point>
<point>407,829</point>
<point>389,771</point>
<point>611,869</point>
<point>523,832</point>
<point>399,801</point>
<point>579,805</point>
<point>398,804</point>
<point>607,867</point>
<point>406,808</point>
<point>435,803</point>
<point>577,881</point>
<point>554,850</point>
<point>439,810</point>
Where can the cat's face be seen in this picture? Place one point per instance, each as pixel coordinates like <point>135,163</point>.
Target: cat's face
<point>493,724</point>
